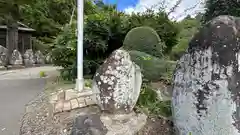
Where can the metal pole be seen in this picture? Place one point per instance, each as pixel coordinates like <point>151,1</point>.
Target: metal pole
<point>80,13</point>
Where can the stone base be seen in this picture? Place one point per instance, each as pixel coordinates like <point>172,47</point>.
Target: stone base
<point>66,100</point>
<point>106,124</point>
<point>124,124</point>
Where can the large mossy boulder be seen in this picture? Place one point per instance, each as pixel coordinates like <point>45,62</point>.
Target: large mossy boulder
<point>144,39</point>
<point>153,68</point>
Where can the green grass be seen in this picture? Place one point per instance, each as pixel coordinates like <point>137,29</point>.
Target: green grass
<point>148,102</point>
<point>56,83</point>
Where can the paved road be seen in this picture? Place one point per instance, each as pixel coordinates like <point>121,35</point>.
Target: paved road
<point>17,88</point>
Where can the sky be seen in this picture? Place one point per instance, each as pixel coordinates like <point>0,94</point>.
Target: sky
<point>130,6</point>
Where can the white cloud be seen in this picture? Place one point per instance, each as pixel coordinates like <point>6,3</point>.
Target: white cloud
<point>179,13</point>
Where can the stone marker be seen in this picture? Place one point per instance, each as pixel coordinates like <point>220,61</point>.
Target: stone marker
<point>40,59</point>
<point>206,81</point>
<point>118,81</point>
<point>48,58</point>
<point>16,58</point>
<point>29,58</point>
<point>3,56</point>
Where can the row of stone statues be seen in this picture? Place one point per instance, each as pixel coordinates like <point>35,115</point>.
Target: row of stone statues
<point>29,58</point>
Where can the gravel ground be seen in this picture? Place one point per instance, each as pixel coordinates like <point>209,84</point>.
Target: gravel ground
<point>157,126</point>
<point>39,119</point>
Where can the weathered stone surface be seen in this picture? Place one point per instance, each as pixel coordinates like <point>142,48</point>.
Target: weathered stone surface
<point>118,81</point>
<point>39,57</point>
<point>88,125</point>
<point>29,58</point>
<point>107,124</point>
<point>48,58</point>
<point>163,91</point>
<point>124,124</point>
<point>3,56</point>
<point>16,58</point>
<point>206,81</point>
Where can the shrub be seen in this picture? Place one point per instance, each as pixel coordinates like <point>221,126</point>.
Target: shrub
<point>148,101</point>
<point>179,49</point>
<point>39,45</point>
<point>160,22</point>
<point>153,68</point>
<point>42,74</point>
<point>64,52</point>
<point>103,31</point>
<point>88,83</point>
<point>144,39</point>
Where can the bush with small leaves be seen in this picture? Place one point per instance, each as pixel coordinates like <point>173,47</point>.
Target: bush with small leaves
<point>144,39</point>
<point>148,100</point>
<point>153,68</point>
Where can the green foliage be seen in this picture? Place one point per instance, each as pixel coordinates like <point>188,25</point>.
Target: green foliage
<point>148,100</point>
<point>99,28</point>
<point>215,8</point>
<point>144,39</point>
<point>42,74</point>
<point>159,21</point>
<point>88,83</point>
<point>39,45</point>
<point>153,68</point>
<point>188,27</point>
<point>65,51</point>
<point>104,31</point>
<point>47,16</point>
<point>9,10</point>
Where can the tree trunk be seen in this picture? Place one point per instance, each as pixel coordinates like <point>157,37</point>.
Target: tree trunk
<point>12,39</point>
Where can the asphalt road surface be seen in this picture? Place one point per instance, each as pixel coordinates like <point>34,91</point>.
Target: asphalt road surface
<point>15,94</point>
<point>17,88</point>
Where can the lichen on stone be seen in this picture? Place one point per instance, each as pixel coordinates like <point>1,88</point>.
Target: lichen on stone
<point>117,89</point>
<point>206,81</point>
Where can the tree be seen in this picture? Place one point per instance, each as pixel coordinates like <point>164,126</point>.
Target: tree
<point>10,15</point>
<point>215,8</point>
<point>47,17</point>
